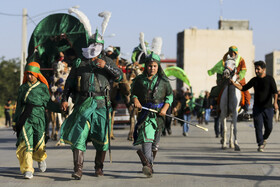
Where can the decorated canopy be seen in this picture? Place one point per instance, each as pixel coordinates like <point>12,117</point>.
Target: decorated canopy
<point>56,33</point>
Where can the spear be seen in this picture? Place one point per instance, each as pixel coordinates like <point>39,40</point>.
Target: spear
<point>171,116</point>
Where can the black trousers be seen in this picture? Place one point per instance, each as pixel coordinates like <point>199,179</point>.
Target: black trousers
<point>262,117</point>
<point>8,119</point>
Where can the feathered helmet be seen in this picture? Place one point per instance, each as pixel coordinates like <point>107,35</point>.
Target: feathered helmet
<point>154,56</point>
<point>96,37</point>
<point>155,48</point>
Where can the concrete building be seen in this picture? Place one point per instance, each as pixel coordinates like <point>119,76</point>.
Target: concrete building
<point>199,50</point>
<point>273,66</point>
<point>233,24</point>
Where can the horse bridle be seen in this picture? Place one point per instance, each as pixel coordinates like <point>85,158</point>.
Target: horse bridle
<point>228,72</point>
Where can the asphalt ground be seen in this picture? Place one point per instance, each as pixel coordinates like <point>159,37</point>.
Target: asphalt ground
<point>196,160</point>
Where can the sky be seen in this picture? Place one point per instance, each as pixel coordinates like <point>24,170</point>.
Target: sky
<point>156,18</point>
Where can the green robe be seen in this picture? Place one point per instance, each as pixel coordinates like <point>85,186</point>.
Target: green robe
<point>143,89</point>
<point>88,121</point>
<point>33,130</point>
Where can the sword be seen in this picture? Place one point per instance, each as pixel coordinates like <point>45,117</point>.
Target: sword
<point>107,89</point>
<point>171,116</point>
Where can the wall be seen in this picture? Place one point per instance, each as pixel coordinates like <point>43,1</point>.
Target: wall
<point>202,49</point>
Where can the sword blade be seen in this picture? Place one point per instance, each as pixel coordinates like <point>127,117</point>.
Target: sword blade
<point>179,119</point>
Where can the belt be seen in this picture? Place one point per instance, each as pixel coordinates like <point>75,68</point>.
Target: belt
<point>152,101</point>
<point>91,94</point>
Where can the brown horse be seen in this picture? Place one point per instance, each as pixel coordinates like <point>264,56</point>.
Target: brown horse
<point>130,71</point>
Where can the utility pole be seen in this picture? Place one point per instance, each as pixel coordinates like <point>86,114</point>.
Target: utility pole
<point>23,43</point>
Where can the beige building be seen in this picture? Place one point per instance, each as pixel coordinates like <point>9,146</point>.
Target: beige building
<point>165,63</point>
<point>273,66</point>
<point>199,50</point>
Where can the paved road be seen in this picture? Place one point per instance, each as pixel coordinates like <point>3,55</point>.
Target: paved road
<point>196,160</point>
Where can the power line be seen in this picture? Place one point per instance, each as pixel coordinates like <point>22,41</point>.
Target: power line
<point>52,11</point>
<point>8,14</point>
<point>48,12</point>
<point>31,20</point>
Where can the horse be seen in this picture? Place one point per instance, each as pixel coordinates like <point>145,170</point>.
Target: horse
<point>60,74</point>
<point>122,88</point>
<point>133,70</point>
<point>229,103</point>
<point>130,71</point>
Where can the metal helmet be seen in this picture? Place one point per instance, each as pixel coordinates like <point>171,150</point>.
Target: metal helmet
<point>96,38</point>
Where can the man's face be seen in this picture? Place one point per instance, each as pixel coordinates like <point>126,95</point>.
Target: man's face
<point>31,78</point>
<point>152,68</point>
<point>232,54</point>
<point>259,71</point>
<point>109,53</point>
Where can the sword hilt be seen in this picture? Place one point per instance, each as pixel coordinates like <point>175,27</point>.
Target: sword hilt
<point>149,109</point>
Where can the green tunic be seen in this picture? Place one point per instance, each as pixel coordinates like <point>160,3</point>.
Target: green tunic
<point>144,89</point>
<point>88,121</point>
<point>33,130</point>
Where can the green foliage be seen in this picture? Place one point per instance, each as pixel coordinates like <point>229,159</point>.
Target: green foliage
<point>9,79</point>
<point>2,111</point>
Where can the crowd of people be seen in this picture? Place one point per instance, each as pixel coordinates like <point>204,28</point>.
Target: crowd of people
<point>91,121</point>
<point>147,94</point>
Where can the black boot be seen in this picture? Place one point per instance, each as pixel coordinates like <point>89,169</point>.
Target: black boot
<point>147,167</point>
<point>99,159</point>
<point>78,158</point>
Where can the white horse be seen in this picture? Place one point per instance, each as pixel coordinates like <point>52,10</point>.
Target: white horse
<point>61,72</point>
<point>229,103</point>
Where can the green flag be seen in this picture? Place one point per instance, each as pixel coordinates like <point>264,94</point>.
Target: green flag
<point>218,68</point>
<point>178,73</point>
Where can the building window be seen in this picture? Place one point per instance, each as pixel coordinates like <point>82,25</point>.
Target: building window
<point>278,71</point>
<point>278,82</point>
<point>278,60</point>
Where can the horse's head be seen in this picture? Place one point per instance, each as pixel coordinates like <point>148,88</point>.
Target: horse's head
<point>230,68</point>
<point>59,68</point>
<point>133,70</point>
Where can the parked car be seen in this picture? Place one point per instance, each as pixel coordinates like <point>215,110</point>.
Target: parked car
<point>121,115</point>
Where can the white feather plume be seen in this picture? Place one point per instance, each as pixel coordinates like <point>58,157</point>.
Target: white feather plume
<point>157,45</point>
<point>83,19</point>
<point>142,43</point>
<point>106,15</point>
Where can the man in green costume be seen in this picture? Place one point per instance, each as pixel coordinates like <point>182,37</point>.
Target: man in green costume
<point>89,82</point>
<point>138,54</point>
<point>152,90</point>
<point>33,97</point>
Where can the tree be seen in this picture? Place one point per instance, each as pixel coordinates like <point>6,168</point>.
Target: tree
<point>9,79</point>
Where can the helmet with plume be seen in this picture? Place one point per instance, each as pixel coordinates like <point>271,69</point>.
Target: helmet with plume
<point>96,37</point>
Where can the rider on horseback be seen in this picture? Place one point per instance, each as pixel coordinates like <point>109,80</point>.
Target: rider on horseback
<point>241,71</point>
